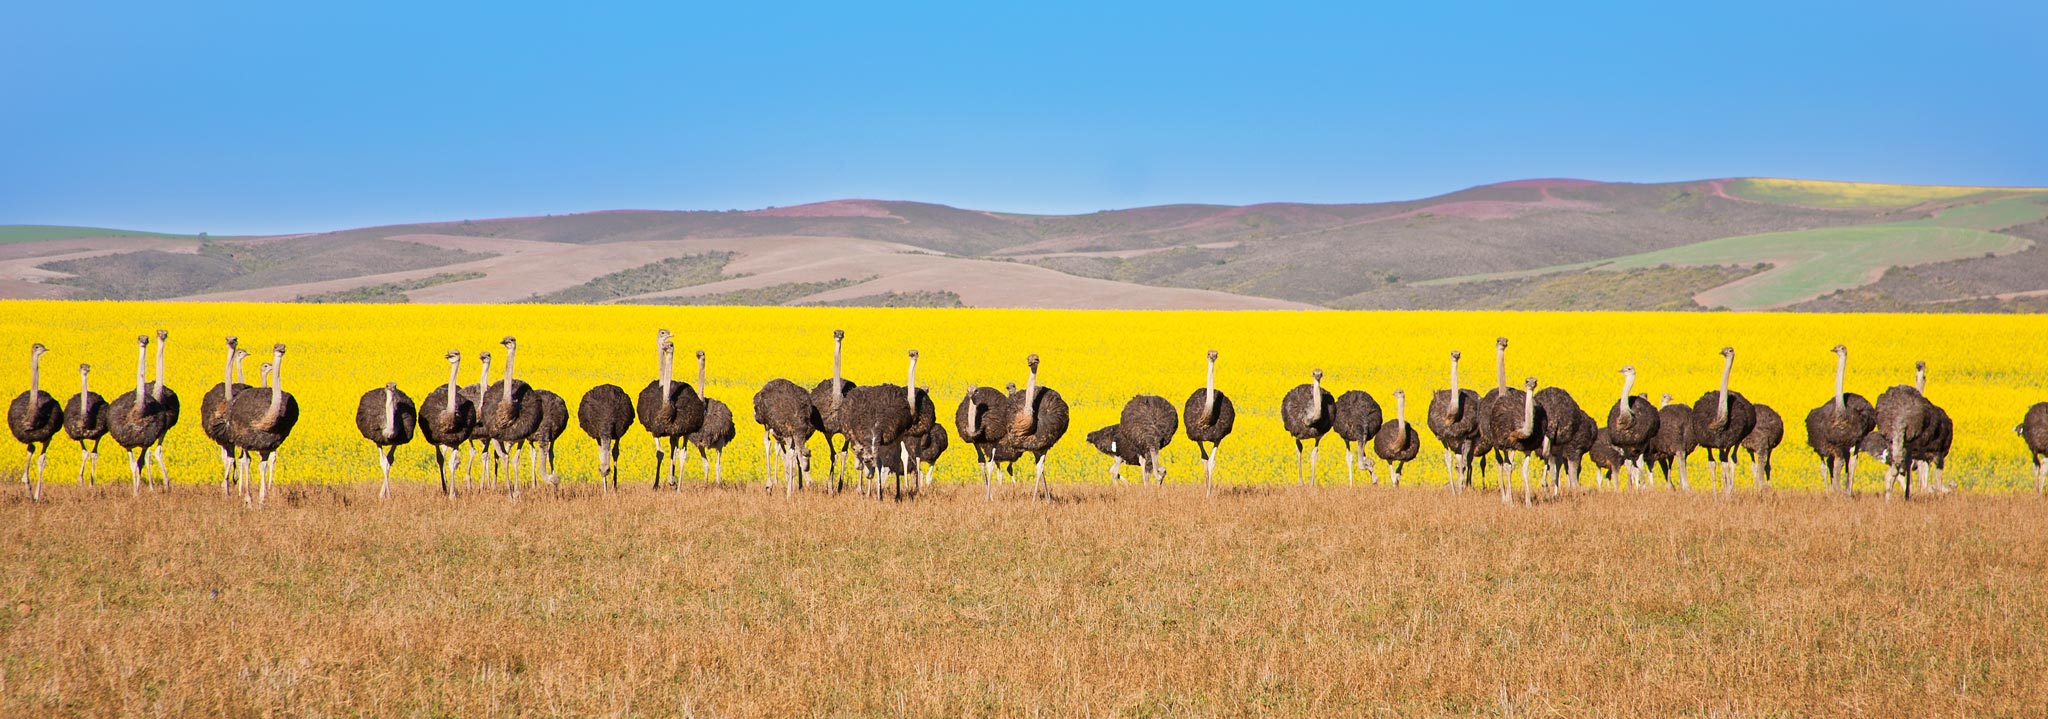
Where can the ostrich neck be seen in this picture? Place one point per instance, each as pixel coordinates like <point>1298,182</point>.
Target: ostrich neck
<point>1500,369</point>
<point>84,391</point>
<point>141,362</point>
<point>910,389</point>
<point>662,361</point>
<point>837,390</point>
<point>35,378</point>
<point>700,376</point>
<point>390,410</point>
<point>973,415</point>
<point>1209,396</point>
<point>1721,412</point>
<point>1315,400</point>
<point>448,407</point>
<point>1920,381</point>
<point>510,354</point>
<point>1401,414</point>
<point>158,392</point>
<point>276,391</point>
<point>1841,368</point>
<point>227,376</point>
<point>1528,413</point>
<point>1457,399</point>
<point>1628,384</point>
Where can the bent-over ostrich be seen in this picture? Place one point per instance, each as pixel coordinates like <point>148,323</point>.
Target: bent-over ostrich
<point>260,422</point>
<point>1396,441</point>
<point>1673,442</point>
<point>670,411</point>
<point>136,420</point>
<point>1720,419</point>
<point>446,417</point>
<point>1209,417</point>
<point>716,431</point>
<point>825,401</point>
<point>1356,419</point>
<point>1146,426</point>
<point>1566,453</point>
<point>983,419</point>
<point>386,417</point>
<point>1762,440</point>
<point>1631,424</point>
<point>785,413</point>
<point>2033,430</point>
<point>1306,412</point>
<point>33,418</point>
<point>1454,419</point>
<point>85,422</point>
<point>213,412</point>
<point>1106,441</point>
<point>605,413</point>
<point>1608,460</point>
<point>554,420</point>
<point>1037,422</point>
<point>1837,426</point>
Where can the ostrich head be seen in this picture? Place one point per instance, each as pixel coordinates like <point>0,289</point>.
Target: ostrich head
<point>1031,361</point>
<point>1728,352</point>
<point>1530,384</point>
<point>240,355</point>
<point>1500,343</point>
<point>1665,400</point>
<point>1010,387</point>
<point>390,386</point>
<point>838,335</point>
<point>1628,370</point>
<point>277,349</point>
<point>661,336</point>
<point>162,335</point>
<point>1400,396</point>
<point>484,357</point>
<point>453,356</point>
<point>140,340</point>
<point>509,343</point>
<point>1212,355</point>
<point>1456,355</point>
<point>84,369</point>
<point>1317,374</point>
<point>1840,349</point>
<point>37,350</point>
<point>234,341</point>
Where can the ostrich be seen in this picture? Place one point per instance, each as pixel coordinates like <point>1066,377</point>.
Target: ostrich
<point>1905,421</point>
<point>34,417</point>
<point>446,418</point>
<point>168,400</point>
<point>387,418</point>
<point>1933,453</point>
<point>875,419</point>
<point>510,415</point>
<point>1501,427</point>
<point>825,401</point>
<point>1631,424</point>
<point>1560,436</point>
<point>1837,426</point>
<point>1356,418</point>
<point>1396,441</point>
<point>1146,426</point>
<point>1720,419</point>
<point>1107,441</point>
<point>1673,442</point>
<point>554,420</point>
<point>605,413</point>
<point>2033,429</point>
<point>1306,414</point>
<point>259,423</point>
<point>670,411</point>
<point>213,412</point>
<point>1209,417</point>
<point>136,420</point>
<point>716,431</point>
<point>85,420</point>
<point>928,451</point>
<point>1565,455</point>
<point>1454,419</point>
<point>1607,459</point>
<point>785,414</point>
<point>1037,422</point>
<point>477,440</point>
<point>1762,439</point>
<point>983,419</point>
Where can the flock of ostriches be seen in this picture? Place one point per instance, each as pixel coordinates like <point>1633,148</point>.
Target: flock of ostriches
<point>886,431</point>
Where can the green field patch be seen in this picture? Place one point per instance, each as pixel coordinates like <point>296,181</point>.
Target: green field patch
<point>10,234</point>
<point>1811,263</point>
<point>1990,216</point>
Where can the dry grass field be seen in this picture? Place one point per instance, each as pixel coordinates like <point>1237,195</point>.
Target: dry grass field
<point>1132,602</point>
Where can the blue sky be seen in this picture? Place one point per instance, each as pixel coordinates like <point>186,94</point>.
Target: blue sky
<point>270,117</point>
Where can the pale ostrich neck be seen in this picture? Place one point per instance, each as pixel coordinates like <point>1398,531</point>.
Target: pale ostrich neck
<point>662,361</point>
<point>1030,408</point>
<point>973,415</point>
<point>1628,384</point>
<point>1315,400</point>
<point>1458,399</point>
<point>1500,369</point>
<point>700,375</point>
<point>84,390</point>
<point>158,392</point>
<point>390,410</point>
<point>1841,369</point>
<point>141,365</point>
<point>35,378</point>
<point>1401,413</point>
<point>1721,413</point>
<point>1528,414</point>
<point>276,390</point>
<point>227,377</point>
<point>1920,380</point>
<point>448,408</point>
<point>910,390</point>
<point>837,391</point>
<point>510,354</point>
<point>1209,396</point>
<point>483,378</point>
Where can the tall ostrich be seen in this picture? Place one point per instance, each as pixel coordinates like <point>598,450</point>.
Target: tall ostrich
<point>875,419</point>
<point>213,411</point>
<point>85,421</point>
<point>715,431</point>
<point>785,414</point>
<point>554,420</point>
<point>446,418</point>
<point>386,417</point>
<point>259,423</point>
<point>1356,419</point>
<point>1147,425</point>
<point>605,413</point>
<point>1209,417</point>
<point>1037,422</point>
<point>1720,419</point>
<point>1501,425</point>
<point>1673,442</point>
<point>1306,412</point>
<point>917,440</point>
<point>670,411</point>
<point>136,420</point>
<point>1561,436</point>
<point>1631,424</point>
<point>1837,426</point>
<point>1933,453</point>
<point>477,442</point>
<point>2033,429</point>
<point>168,400</point>
<point>34,417</point>
<point>1454,419</point>
<point>1761,441</point>
<point>1396,441</point>
<point>983,419</point>
<point>510,415</point>
<point>825,401</point>
<point>1905,419</point>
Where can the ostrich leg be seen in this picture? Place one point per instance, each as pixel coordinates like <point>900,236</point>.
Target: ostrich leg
<point>1315,447</point>
<point>85,456</point>
<point>384,466</point>
<point>1351,451</point>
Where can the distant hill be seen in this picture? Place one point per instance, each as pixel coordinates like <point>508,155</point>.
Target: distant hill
<point>1745,243</point>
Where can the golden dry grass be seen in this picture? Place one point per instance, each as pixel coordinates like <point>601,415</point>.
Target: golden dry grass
<point>1133,602</point>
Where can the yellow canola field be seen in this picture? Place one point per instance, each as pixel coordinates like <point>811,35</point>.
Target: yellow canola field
<point>1984,369</point>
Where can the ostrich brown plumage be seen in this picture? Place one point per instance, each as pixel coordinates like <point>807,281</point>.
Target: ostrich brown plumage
<point>1837,426</point>
<point>1306,413</point>
<point>34,417</point>
<point>386,417</point>
<point>825,401</point>
<point>260,422</point>
<point>716,431</point>
<point>1209,417</point>
<point>1561,437</point>
<point>1454,419</point>
<point>508,417</point>
<point>1720,419</point>
<point>2033,430</point>
<point>1566,454</point>
<point>1762,440</point>
<point>554,420</point>
<point>85,422</point>
<point>1395,442</point>
<point>1356,419</point>
<point>213,413</point>
<point>1147,425</point>
<point>1673,443</point>
<point>1608,460</point>
<point>1905,419</point>
<point>983,419</point>
<point>605,414</point>
<point>446,417</point>
<point>1501,420</point>
<point>1934,452</point>
<point>875,419</point>
<point>1631,424</point>
<point>670,411</point>
<point>168,401</point>
<point>785,413</point>
<point>136,421</point>
<point>1107,441</point>
<point>1037,422</point>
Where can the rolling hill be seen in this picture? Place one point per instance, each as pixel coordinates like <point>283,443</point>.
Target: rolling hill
<point>1746,243</point>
